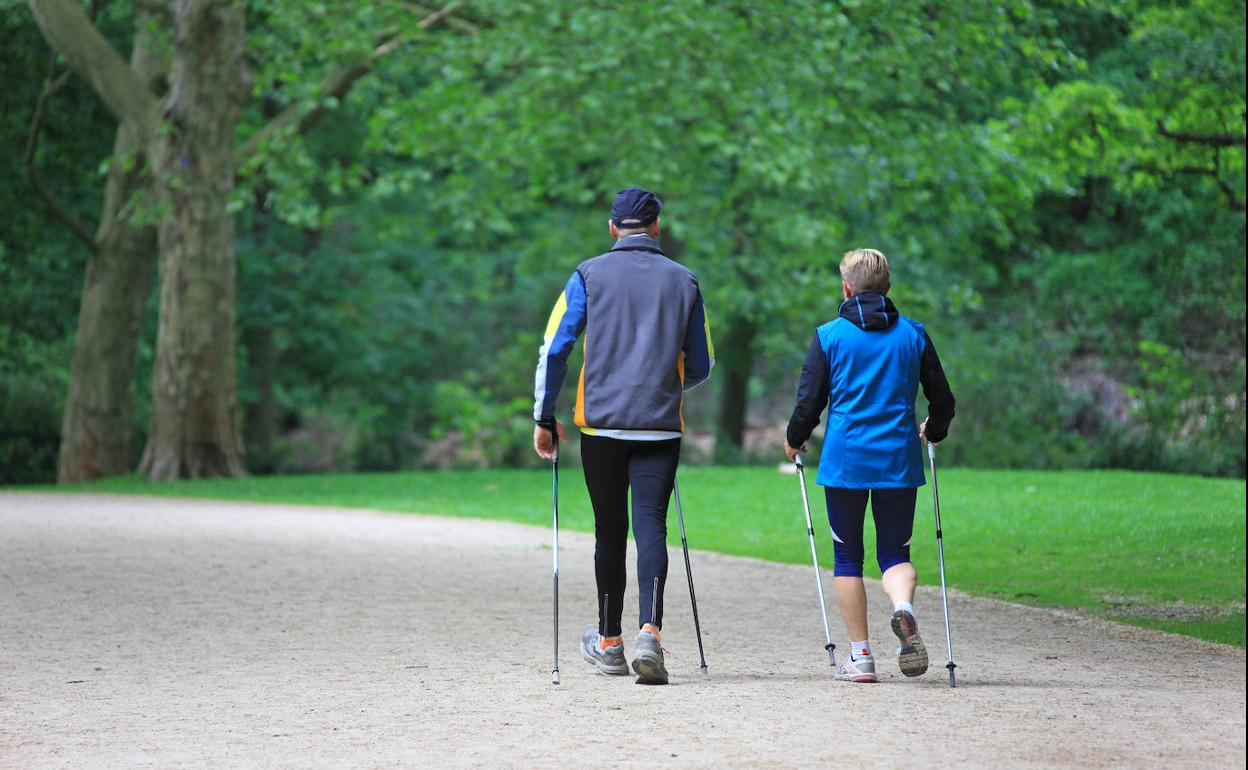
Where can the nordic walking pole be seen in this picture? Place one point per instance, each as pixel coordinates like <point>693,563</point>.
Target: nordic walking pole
<point>940,550</point>
<point>693,599</point>
<point>554,472</point>
<point>814,556</point>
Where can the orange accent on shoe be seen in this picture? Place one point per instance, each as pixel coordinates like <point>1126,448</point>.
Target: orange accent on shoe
<point>651,628</point>
<point>609,641</point>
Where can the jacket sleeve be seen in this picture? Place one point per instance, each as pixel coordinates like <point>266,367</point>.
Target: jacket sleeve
<point>567,321</point>
<point>812,395</point>
<point>699,351</point>
<point>940,400</point>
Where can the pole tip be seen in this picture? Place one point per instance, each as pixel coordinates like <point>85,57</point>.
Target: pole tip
<point>705,674</point>
<point>554,677</point>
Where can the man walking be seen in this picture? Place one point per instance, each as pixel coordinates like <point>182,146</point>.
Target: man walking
<point>646,342</point>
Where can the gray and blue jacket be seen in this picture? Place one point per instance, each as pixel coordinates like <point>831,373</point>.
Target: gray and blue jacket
<point>647,341</point>
<point>866,366</point>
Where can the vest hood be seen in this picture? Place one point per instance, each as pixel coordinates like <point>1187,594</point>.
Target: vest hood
<point>869,311</point>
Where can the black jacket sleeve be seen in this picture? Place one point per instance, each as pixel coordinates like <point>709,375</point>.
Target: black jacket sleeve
<point>936,388</point>
<point>812,395</point>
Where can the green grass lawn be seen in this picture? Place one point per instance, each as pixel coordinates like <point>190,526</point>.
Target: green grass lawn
<point>1155,550</point>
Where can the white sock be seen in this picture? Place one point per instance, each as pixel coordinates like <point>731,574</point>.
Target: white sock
<point>904,606</point>
<point>860,649</point>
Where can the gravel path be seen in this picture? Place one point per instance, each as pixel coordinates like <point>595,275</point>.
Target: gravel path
<point>146,632</point>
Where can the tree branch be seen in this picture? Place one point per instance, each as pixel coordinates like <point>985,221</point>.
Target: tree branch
<point>454,22</point>
<point>1212,140</point>
<point>71,34</point>
<point>1213,173</point>
<point>1235,203</point>
<point>51,87</point>
<point>299,117</point>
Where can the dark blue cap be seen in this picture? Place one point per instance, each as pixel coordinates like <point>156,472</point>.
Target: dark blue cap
<point>635,207</point>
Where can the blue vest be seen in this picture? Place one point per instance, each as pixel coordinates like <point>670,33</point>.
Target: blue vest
<point>872,439</point>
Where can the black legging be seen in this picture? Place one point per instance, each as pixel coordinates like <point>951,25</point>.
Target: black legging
<point>611,467</point>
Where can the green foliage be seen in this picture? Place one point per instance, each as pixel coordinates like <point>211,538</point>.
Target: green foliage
<point>1205,424</point>
<point>1129,240</point>
<point>1027,168</point>
<point>1014,410</point>
<point>381,323</point>
<point>1058,186</point>
<point>763,163</point>
<point>1156,550</point>
<point>33,382</point>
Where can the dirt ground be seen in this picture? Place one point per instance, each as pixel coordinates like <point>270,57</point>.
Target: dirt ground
<point>145,632</point>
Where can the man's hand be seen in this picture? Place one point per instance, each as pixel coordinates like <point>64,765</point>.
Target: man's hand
<point>791,452</point>
<point>544,441</point>
<point>923,433</point>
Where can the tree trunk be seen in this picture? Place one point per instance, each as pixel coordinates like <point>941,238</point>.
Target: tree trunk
<point>735,358</point>
<point>195,422</point>
<point>96,430</point>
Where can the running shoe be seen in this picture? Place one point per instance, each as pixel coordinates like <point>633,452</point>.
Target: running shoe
<point>860,670</point>
<point>609,660</point>
<point>912,655</point>
<point>648,657</point>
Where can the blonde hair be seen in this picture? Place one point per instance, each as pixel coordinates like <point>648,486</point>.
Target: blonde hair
<point>865,270</point>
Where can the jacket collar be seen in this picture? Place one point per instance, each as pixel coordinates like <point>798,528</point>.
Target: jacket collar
<point>639,242</point>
